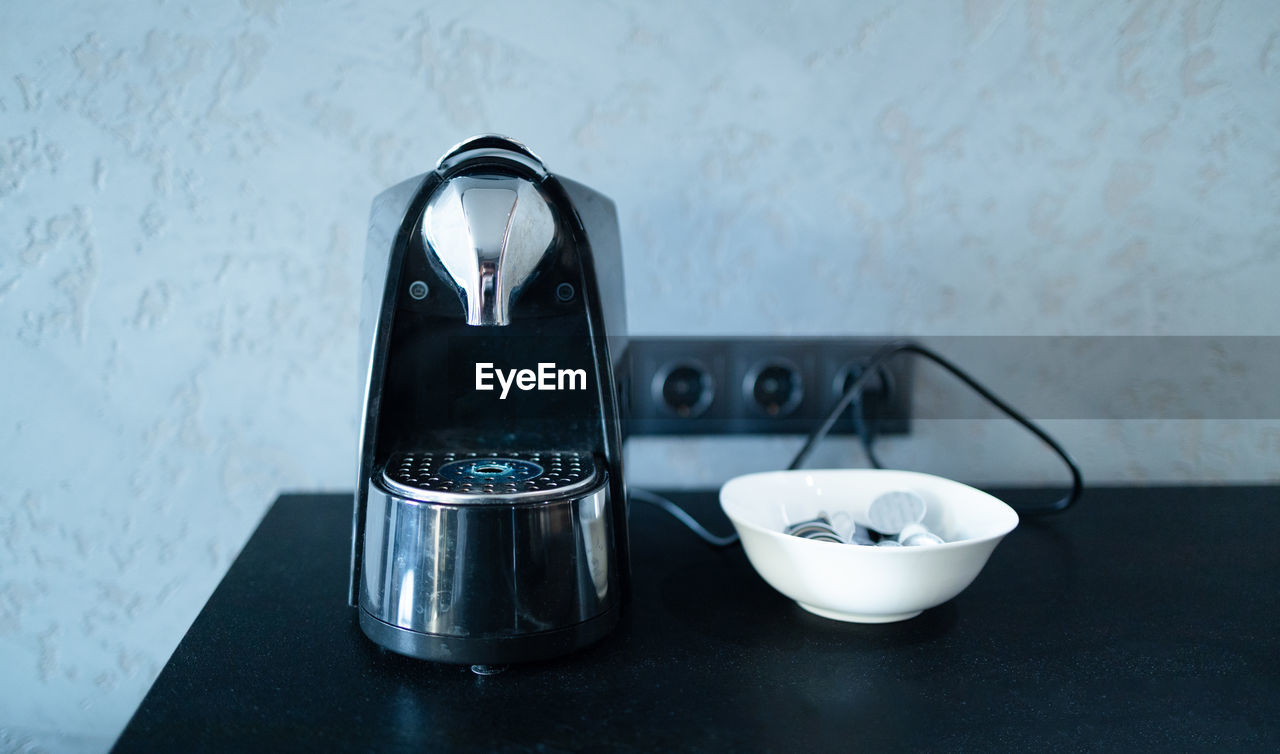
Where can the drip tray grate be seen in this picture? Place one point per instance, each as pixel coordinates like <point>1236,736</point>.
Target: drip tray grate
<point>505,475</point>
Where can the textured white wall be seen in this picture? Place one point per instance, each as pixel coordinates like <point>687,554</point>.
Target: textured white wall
<point>183,191</point>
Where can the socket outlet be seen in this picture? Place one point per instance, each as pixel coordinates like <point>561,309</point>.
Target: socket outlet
<point>773,386</point>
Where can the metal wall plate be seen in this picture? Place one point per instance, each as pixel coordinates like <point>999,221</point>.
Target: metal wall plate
<point>756,385</point>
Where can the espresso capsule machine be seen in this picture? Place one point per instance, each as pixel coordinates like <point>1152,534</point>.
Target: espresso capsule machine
<point>490,520</point>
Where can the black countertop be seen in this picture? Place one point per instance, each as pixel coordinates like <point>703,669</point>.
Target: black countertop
<point>1144,618</point>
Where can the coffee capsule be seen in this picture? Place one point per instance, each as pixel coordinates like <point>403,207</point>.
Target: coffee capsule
<point>893,510</point>
<point>818,529</point>
<point>850,531</point>
<point>916,535</point>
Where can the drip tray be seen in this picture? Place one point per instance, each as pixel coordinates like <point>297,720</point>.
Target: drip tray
<point>496,477</point>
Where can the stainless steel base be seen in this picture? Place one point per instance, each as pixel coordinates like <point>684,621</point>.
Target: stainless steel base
<point>473,575</point>
<point>488,651</point>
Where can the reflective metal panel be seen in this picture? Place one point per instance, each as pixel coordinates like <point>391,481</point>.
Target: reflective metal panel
<point>488,570</point>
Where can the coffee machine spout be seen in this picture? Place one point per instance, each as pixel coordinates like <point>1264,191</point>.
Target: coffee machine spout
<point>488,234</point>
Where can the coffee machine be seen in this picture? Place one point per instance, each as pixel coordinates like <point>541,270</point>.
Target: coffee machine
<point>490,522</point>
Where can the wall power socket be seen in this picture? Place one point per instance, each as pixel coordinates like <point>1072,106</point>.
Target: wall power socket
<point>757,385</point>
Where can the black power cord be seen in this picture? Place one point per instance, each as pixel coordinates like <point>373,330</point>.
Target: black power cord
<point>652,498</point>
<point>882,357</point>
<point>853,397</point>
<point>865,430</point>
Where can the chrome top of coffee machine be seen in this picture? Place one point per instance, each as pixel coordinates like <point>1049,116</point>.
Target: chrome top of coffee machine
<point>490,520</point>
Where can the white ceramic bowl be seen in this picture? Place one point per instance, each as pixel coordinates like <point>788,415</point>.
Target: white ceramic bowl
<point>860,583</point>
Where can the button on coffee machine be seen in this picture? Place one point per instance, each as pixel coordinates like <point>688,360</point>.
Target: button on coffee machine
<point>490,520</point>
